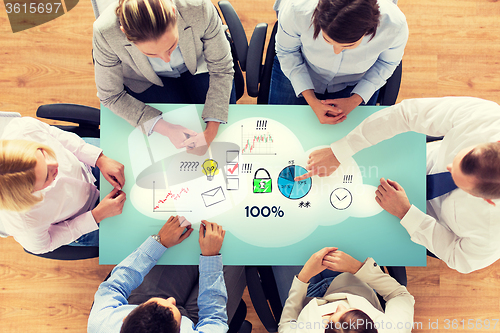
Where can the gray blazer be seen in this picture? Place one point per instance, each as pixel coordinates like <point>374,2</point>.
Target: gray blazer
<point>202,43</point>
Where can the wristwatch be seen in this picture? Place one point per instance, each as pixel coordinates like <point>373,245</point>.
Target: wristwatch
<point>156,238</point>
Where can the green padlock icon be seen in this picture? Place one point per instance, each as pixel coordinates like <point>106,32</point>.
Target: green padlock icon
<point>262,184</point>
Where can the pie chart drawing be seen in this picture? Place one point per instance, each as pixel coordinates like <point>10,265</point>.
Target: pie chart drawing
<point>289,187</point>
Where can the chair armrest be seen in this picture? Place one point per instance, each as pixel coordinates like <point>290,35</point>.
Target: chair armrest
<point>265,80</point>
<point>254,59</point>
<point>259,298</point>
<point>236,30</point>
<point>81,114</point>
<point>391,87</point>
<point>67,252</point>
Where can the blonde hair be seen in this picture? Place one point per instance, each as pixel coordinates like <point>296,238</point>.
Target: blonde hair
<point>145,20</point>
<point>17,174</point>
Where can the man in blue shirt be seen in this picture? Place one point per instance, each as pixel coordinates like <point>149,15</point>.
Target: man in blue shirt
<point>171,299</point>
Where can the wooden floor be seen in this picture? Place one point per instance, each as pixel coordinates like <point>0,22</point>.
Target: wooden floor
<point>453,49</point>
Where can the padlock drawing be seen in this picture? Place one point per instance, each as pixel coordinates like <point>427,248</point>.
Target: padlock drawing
<point>262,184</point>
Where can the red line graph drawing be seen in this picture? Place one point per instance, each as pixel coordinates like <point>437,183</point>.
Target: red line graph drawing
<point>171,196</point>
<point>263,139</point>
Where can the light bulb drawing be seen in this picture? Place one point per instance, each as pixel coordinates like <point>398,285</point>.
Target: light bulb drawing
<point>210,168</point>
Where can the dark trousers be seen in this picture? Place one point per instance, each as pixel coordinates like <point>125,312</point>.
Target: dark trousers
<point>186,89</point>
<point>281,90</point>
<point>181,283</point>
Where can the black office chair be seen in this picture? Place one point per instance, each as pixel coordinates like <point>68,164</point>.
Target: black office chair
<point>265,298</point>
<point>88,120</point>
<point>258,75</point>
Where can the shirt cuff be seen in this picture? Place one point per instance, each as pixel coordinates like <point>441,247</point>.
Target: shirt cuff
<point>214,119</point>
<point>300,83</point>
<point>150,124</point>
<point>152,248</point>
<point>411,221</point>
<point>365,89</point>
<point>342,151</point>
<point>369,267</point>
<point>210,264</point>
<point>89,154</point>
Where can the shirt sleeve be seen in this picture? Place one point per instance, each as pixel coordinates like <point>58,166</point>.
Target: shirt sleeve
<point>217,52</point>
<point>85,152</point>
<point>399,302</point>
<point>383,68</point>
<point>110,301</point>
<point>42,240</point>
<point>293,305</point>
<point>212,296</point>
<point>465,254</point>
<point>430,116</point>
<point>288,50</point>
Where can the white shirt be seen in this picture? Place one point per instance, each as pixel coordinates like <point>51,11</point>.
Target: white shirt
<point>64,214</point>
<point>311,63</point>
<point>462,230</point>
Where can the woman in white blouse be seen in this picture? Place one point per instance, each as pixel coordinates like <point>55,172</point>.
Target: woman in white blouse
<point>47,192</point>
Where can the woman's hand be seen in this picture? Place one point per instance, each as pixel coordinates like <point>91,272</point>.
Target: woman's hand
<point>198,145</point>
<point>327,114</point>
<point>111,205</point>
<point>112,171</point>
<point>177,134</point>
<point>344,105</point>
<point>314,265</point>
<point>339,261</point>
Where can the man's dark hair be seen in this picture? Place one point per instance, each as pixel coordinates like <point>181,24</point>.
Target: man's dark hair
<point>149,318</point>
<point>483,162</point>
<point>346,21</point>
<point>353,321</point>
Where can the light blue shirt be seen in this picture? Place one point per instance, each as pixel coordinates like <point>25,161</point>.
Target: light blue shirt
<point>174,68</point>
<point>111,305</point>
<point>311,63</point>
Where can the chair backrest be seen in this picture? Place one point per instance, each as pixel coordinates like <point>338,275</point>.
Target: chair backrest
<point>100,5</point>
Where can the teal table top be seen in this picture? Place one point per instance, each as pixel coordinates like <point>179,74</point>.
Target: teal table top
<point>245,183</point>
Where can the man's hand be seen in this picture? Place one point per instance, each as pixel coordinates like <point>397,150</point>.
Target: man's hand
<point>327,114</point>
<point>112,171</point>
<point>314,265</point>
<point>111,205</point>
<point>172,233</point>
<point>322,162</point>
<point>198,145</point>
<point>176,133</point>
<point>211,238</point>
<point>339,261</point>
<point>344,105</point>
<point>392,197</point>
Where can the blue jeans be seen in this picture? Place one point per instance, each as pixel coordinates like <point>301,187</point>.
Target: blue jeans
<point>281,90</point>
<point>186,89</point>
<point>317,285</point>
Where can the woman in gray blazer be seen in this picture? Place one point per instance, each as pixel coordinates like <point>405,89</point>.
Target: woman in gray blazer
<point>346,302</point>
<point>164,51</point>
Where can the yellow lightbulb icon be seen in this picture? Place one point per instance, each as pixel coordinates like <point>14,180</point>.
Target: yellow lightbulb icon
<point>210,168</point>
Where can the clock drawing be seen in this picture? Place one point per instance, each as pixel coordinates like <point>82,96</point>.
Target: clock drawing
<point>341,198</point>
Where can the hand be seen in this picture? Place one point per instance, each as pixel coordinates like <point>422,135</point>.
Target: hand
<point>198,145</point>
<point>326,114</point>
<point>392,197</point>
<point>112,171</point>
<point>176,133</point>
<point>322,162</point>
<point>339,261</point>
<point>344,105</point>
<point>314,265</point>
<point>211,238</point>
<point>172,233</point>
<point>111,205</point>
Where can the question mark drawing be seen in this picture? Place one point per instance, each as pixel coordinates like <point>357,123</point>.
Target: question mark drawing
<point>182,164</point>
<point>196,167</point>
